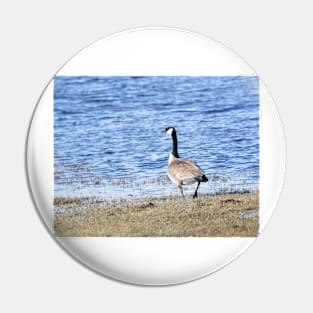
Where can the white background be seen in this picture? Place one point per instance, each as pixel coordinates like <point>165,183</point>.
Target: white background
<point>274,274</point>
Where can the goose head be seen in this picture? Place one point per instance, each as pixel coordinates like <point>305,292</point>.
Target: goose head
<point>169,130</point>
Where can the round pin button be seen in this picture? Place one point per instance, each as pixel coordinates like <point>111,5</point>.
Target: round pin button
<point>155,156</point>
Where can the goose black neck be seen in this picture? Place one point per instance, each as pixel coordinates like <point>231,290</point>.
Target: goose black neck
<point>174,137</point>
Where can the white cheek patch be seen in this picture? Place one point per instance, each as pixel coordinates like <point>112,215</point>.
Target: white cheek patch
<point>169,131</point>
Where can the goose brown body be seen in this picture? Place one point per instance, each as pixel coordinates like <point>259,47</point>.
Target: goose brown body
<point>184,172</point>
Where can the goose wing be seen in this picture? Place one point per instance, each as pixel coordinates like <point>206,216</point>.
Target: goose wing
<point>186,171</point>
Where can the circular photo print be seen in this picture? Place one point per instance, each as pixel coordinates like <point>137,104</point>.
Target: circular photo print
<point>155,156</point>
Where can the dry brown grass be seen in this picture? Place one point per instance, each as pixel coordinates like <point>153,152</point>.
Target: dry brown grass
<point>208,216</point>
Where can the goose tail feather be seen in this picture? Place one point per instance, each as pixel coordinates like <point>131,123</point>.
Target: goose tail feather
<point>204,178</point>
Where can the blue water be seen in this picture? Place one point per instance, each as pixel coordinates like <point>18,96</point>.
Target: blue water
<point>108,141</point>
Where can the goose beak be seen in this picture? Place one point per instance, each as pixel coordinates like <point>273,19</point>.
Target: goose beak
<point>163,131</point>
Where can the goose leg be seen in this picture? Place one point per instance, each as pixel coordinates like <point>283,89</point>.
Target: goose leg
<point>182,191</point>
<point>196,192</point>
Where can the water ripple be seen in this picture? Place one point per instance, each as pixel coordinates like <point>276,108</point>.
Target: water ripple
<point>111,127</point>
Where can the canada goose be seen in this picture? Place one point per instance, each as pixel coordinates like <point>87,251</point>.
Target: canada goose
<point>180,171</point>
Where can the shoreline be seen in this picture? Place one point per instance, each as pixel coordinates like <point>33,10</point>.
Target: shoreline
<point>224,215</point>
